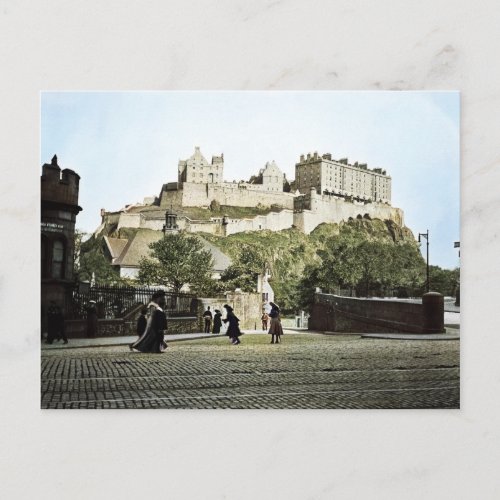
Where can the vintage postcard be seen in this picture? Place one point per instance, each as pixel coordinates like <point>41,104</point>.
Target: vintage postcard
<point>250,250</point>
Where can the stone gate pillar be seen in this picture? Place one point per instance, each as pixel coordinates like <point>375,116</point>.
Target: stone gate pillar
<point>433,313</point>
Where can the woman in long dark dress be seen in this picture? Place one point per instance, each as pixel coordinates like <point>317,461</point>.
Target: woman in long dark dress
<point>142,321</point>
<point>233,330</point>
<point>275,330</point>
<point>92,320</point>
<point>217,321</point>
<point>152,340</point>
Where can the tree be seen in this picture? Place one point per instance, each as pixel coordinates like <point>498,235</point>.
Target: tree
<point>177,259</point>
<point>444,281</point>
<point>408,269</point>
<point>90,262</point>
<point>247,265</point>
<point>341,265</point>
<point>376,264</point>
<point>306,286</point>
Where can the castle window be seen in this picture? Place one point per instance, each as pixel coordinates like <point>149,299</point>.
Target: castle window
<point>57,259</point>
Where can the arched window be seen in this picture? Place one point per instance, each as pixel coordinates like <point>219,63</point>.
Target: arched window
<point>58,259</point>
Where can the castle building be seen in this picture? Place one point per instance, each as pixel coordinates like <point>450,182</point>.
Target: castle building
<point>272,177</point>
<point>196,169</point>
<point>59,208</point>
<point>324,191</point>
<point>338,177</point>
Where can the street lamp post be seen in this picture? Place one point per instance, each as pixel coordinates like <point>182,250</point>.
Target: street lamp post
<point>426,236</point>
<point>457,296</point>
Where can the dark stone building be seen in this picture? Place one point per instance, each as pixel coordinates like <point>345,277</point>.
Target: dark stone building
<point>59,196</point>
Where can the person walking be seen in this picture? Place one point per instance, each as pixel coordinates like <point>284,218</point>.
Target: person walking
<point>91,320</point>
<point>217,321</point>
<point>152,340</point>
<point>142,321</point>
<point>55,324</point>
<point>264,319</point>
<point>207,316</point>
<point>233,330</point>
<point>60,331</point>
<point>275,330</point>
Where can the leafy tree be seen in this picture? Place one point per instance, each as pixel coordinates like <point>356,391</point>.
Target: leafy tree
<point>408,269</point>
<point>444,281</point>
<point>178,259</point>
<point>375,260</point>
<point>306,286</point>
<point>246,266</point>
<point>90,262</point>
<point>369,264</point>
<point>341,265</point>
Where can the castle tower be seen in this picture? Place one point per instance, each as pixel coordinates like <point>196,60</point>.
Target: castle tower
<point>196,169</point>
<point>59,196</point>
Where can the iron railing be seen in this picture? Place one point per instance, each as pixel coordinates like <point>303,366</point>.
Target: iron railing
<point>117,301</point>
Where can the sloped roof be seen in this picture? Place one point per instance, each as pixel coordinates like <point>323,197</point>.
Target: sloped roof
<point>197,158</point>
<point>221,260</point>
<point>138,247</point>
<point>115,247</point>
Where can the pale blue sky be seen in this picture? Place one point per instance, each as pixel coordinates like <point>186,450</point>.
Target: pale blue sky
<point>125,145</point>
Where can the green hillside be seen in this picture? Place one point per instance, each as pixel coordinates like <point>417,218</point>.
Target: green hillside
<point>333,256</point>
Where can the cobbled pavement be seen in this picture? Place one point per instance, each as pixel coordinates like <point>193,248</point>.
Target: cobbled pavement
<point>304,372</point>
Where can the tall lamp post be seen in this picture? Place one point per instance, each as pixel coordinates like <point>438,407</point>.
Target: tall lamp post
<point>426,236</point>
<point>457,297</point>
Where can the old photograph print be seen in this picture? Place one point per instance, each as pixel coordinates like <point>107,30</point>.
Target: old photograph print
<point>250,250</point>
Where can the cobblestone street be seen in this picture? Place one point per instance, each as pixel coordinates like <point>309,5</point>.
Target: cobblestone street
<point>305,371</point>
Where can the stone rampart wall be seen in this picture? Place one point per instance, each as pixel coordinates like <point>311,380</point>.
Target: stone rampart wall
<point>346,314</point>
<point>129,220</point>
<point>273,221</point>
<point>305,212</point>
<point>201,195</point>
<point>171,197</point>
<point>312,210</point>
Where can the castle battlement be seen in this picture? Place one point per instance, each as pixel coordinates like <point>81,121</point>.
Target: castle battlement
<point>59,186</point>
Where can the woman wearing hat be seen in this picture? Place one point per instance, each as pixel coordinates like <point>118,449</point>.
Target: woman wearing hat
<point>275,329</point>
<point>92,324</point>
<point>217,321</point>
<point>152,340</point>
<point>233,330</point>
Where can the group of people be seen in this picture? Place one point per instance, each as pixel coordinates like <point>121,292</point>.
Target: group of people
<point>275,329</point>
<point>152,324</point>
<point>233,330</point>
<point>208,318</point>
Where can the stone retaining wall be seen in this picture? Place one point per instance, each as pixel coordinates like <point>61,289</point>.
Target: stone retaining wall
<point>121,328</point>
<point>247,307</point>
<point>345,314</point>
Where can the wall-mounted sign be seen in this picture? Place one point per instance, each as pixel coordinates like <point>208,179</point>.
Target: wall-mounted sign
<point>52,227</point>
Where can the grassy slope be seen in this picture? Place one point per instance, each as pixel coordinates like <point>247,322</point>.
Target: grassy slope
<point>290,250</point>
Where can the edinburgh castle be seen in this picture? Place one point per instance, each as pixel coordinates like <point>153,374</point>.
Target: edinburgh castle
<point>324,191</point>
